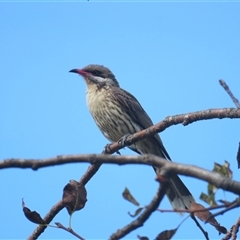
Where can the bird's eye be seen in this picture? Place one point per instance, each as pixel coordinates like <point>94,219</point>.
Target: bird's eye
<point>95,72</point>
<point>98,73</point>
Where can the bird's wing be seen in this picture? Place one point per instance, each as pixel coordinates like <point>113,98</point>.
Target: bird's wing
<point>131,106</point>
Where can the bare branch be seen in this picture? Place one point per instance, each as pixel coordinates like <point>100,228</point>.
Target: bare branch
<point>200,227</point>
<point>69,230</point>
<point>169,121</point>
<point>148,159</point>
<point>233,205</point>
<point>89,173</point>
<point>187,170</point>
<point>185,119</point>
<point>227,89</point>
<point>233,231</point>
<point>198,210</point>
<point>144,216</point>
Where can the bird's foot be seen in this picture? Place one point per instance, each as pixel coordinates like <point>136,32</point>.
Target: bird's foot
<point>107,149</point>
<point>122,140</point>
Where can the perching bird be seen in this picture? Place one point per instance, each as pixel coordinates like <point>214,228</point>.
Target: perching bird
<point>118,113</point>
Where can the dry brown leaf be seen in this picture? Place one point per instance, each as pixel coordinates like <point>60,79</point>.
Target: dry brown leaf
<point>128,196</point>
<point>167,234</point>
<point>136,212</point>
<point>223,169</point>
<point>207,216</point>
<point>142,238</point>
<point>32,216</point>
<point>74,196</point>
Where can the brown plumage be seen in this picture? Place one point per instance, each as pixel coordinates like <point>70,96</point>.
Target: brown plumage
<point>118,113</point>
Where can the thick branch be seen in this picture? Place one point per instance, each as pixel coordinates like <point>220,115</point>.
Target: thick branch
<point>166,166</point>
<point>167,122</point>
<point>184,119</point>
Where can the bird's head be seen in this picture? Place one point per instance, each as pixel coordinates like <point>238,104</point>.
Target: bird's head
<point>98,75</point>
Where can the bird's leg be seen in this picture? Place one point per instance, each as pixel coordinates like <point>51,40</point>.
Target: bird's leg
<point>122,140</point>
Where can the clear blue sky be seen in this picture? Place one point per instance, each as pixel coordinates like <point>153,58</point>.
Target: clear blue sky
<point>169,55</point>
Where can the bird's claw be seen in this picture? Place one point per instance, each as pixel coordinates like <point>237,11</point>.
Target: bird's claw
<point>122,140</point>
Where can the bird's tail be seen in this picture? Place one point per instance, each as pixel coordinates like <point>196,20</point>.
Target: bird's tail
<point>178,194</point>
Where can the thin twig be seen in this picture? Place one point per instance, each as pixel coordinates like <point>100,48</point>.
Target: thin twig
<point>194,211</point>
<point>47,219</point>
<point>231,206</point>
<point>200,227</point>
<point>70,230</point>
<point>227,89</point>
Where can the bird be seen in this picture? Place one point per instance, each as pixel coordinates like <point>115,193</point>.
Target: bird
<point>118,113</point>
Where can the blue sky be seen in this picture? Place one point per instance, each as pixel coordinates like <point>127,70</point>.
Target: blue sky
<point>169,55</point>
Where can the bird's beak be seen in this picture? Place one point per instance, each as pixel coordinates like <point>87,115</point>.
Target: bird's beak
<point>80,71</point>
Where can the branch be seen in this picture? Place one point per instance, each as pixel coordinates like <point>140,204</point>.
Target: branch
<point>185,119</point>
<point>233,231</point>
<point>47,219</point>
<point>234,204</point>
<point>89,173</point>
<point>70,230</point>
<point>200,227</point>
<point>144,216</point>
<point>225,86</point>
<point>198,210</point>
<point>166,166</point>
